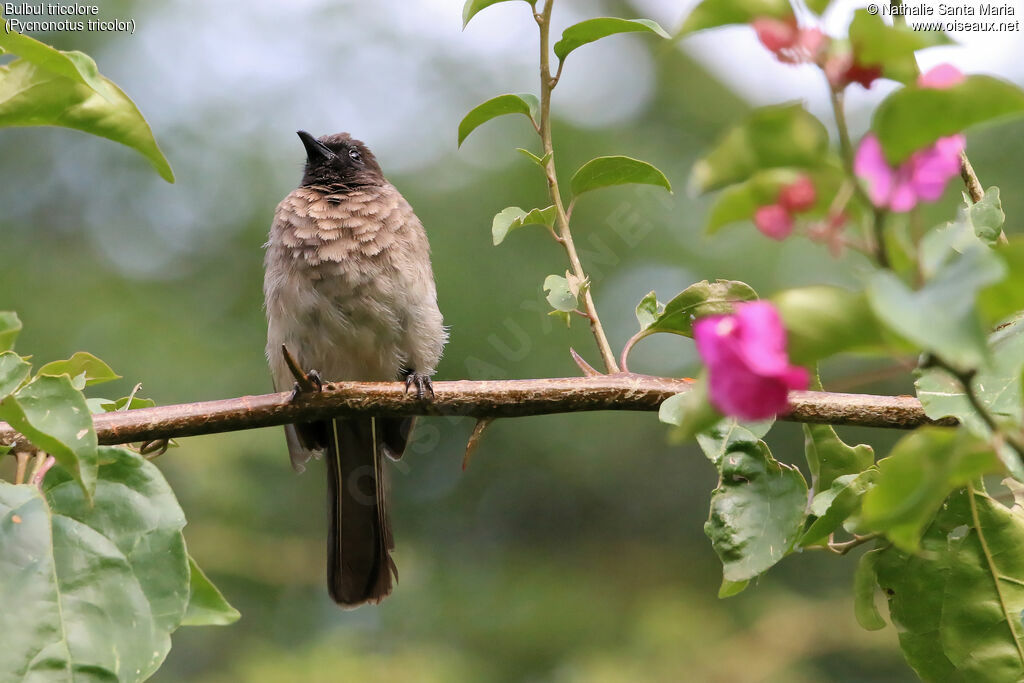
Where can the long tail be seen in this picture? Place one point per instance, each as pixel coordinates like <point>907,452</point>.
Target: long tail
<point>359,564</point>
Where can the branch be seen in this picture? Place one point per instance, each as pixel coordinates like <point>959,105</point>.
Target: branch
<point>564,235</point>
<point>479,399</point>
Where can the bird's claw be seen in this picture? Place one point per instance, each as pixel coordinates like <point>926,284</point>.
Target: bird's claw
<point>422,382</point>
<point>315,381</point>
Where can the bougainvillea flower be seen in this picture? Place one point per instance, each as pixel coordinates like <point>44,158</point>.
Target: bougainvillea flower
<point>787,41</point>
<point>749,374</point>
<point>774,221</point>
<point>799,195</point>
<point>940,77</point>
<point>922,177</point>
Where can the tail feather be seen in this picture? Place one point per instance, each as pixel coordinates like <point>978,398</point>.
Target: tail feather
<point>359,564</point>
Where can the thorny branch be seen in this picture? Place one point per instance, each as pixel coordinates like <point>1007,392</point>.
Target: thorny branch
<point>479,399</point>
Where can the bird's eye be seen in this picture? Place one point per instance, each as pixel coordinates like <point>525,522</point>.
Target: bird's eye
<point>354,155</point>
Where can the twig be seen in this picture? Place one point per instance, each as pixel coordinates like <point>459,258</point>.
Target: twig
<point>966,380</point>
<point>844,547</point>
<point>846,149</point>
<point>474,439</point>
<point>479,399</point>
<point>547,84</point>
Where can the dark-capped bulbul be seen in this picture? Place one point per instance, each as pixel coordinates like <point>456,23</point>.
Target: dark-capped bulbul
<point>350,292</point>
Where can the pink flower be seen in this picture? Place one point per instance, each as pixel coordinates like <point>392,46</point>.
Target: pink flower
<point>774,221</point>
<point>798,196</point>
<point>776,34</point>
<point>940,77</point>
<point>787,41</point>
<point>748,369</point>
<point>922,177</point>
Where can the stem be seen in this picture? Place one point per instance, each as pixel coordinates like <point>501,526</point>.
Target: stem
<point>19,475</point>
<point>629,347</point>
<point>845,146</point>
<point>547,84</point>
<point>846,546</point>
<point>966,381</point>
<point>846,149</point>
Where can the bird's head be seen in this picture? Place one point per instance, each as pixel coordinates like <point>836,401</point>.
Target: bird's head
<point>339,160</point>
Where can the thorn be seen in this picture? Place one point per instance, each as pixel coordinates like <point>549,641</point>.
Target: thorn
<point>588,371</point>
<point>305,382</point>
<point>474,439</point>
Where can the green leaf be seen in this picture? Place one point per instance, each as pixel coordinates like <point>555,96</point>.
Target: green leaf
<point>470,9</point>
<point>75,66</point>
<point>1006,297</point>
<point>731,588</point>
<point>864,581</point>
<point>833,506</point>
<point>74,608</point>
<point>13,371</point>
<point>783,136</point>
<point>560,296</point>
<point>822,321</point>
<point>523,103</point>
<point>828,457</point>
<point>128,403</point>
<point>905,120</point>
<point>134,508</point>
<point>81,363</point>
<point>891,47</point>
<point>206,604</point>
<point>975,224</point>
<point>923,469</point>
<point>513,217</point>
<point>10,326</point>
<point>33,96</point>
<point>818,6</point>
<point>53,415</point>
<point>722,437</point>
<point>616,170</point>
<point>696,301</point>
<point>540,161</point>
<point>756,511</point>
<point>594,29</point>
<point>647,310</point>
<point>690,412</point>
<point>997,385</point>
<point>713,13</point>
<point>941,317</point>
<point>987,217</point>
<point>957,603</point>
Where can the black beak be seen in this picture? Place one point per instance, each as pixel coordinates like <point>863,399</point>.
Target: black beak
<point>315,150</point>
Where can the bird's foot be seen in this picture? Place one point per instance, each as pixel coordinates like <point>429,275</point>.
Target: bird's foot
<point>421,381</point>
<point>314,384</point>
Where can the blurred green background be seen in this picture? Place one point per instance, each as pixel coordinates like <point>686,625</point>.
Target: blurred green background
<point>572,549</point>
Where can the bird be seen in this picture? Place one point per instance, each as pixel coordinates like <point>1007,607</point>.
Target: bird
<point>349,291</point>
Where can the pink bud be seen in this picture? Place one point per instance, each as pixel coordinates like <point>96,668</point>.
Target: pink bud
<point>842,70</point>
<point>940,77</point>
<point>749,374</point>
<point>798,196</point>
<point>774,221</point>
<point>776,34</point>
